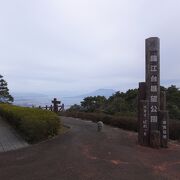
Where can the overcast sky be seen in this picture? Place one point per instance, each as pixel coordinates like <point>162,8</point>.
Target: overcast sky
<point>83,45</point>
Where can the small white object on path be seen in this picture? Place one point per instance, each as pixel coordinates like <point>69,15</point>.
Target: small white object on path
<point>99,126</point>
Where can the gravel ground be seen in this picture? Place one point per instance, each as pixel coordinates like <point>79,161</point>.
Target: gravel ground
<point>85,154</point>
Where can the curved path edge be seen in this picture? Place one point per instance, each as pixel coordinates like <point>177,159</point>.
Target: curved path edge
<point>9,138</point>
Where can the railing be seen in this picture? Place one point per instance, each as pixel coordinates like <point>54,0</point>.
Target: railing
<point>59,108</point>
<point>55,107</point>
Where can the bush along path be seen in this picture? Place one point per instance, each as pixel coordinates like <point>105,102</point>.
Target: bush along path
<point>33,124</point>
<point>123,122</point>
<point>9,139</point>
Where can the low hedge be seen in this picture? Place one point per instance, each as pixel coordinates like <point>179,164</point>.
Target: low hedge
<point>127,123</point>
<point>32,123</point>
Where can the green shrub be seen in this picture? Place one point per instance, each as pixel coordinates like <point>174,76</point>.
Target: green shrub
<point>127,123</point>
<point>34,124</point>
<point>174,129</point>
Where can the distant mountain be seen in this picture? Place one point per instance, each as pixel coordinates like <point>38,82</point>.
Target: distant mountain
<point>69,101</point>
<point>100,92</point>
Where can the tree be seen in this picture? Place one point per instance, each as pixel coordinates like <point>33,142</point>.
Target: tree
<point>90,104</point>
<point>125,103</point>
<point>5,97</point>
<point>75,107</point>
<point>121,102</point>
<point>173,102</point>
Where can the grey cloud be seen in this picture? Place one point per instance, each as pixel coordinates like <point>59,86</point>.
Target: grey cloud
<point>85,44</point>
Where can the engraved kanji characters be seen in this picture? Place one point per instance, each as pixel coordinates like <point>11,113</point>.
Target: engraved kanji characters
<point>153,119</point>
<point>153,99</point>
<point>154,68</point>
<point>154,88</point>
<point>153,58</point>
<point>145,122</point>
<point>154,78</point>
<point>154,109</point>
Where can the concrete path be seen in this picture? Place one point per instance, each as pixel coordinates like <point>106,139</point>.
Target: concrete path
<point>85,154</point>
<point>9,139</point>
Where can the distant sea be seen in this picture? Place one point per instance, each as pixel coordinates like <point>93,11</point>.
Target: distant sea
<point>45,100</point>
<point>35,99</point>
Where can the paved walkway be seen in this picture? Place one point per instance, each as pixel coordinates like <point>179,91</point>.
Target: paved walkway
<point>85,154</point>
<point>9,139</point>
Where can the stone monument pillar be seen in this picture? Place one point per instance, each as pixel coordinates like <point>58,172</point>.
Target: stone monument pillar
<point>152,114</point>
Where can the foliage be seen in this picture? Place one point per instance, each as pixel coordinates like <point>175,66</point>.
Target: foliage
<point>120,109</point>
<point>125,103</point>
<point>118,103</point>
<point>5,97</point>
<point>75,107</point>
<point>173,102</point>
<point>127,123</point>
<point>34,124</point>
<point>90,104</point>
<point>122,102</point>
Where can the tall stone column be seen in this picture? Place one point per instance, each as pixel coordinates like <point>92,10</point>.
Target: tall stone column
<point>153,87</point>
<point>152,114</point>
